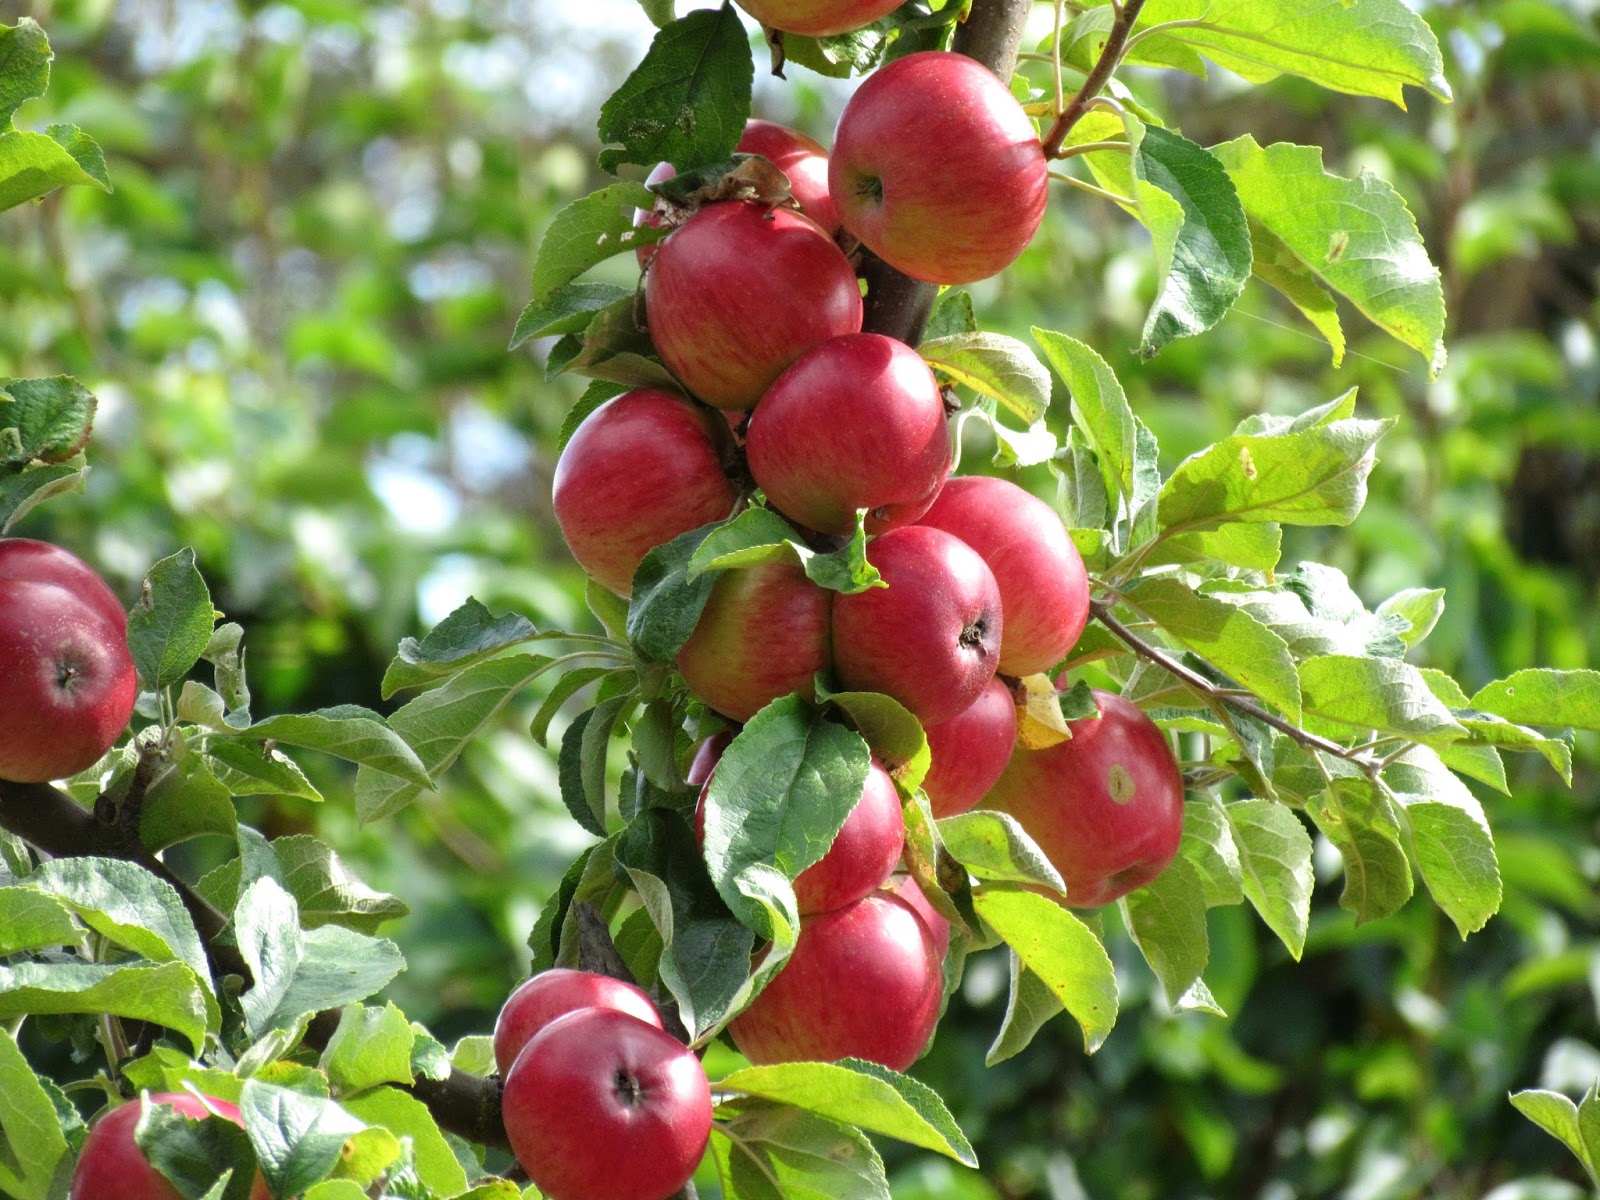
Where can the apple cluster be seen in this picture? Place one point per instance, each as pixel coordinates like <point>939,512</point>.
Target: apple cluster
<point>586,1062</point>
<point>68,684</point>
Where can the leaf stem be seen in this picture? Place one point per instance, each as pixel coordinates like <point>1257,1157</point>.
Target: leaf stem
<point>1110,55</point>
<point>1091,147</point>
<point>1082,186</point>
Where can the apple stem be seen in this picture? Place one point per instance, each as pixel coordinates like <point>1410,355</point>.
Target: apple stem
<point>1231,697</point>
<point>1099,76</point>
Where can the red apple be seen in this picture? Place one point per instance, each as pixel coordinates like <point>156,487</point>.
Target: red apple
<point>930,639</point>
<point>555,993</point>
<point>803,160</point>
<point>741,290</point>
<point>937,169</point>
<point>763,634</point>
<point>1106,807</point>
<point>818,18</point>
<point>864,853</point>
<point>705,758</point>
<point>112,1167</point>
<point>68,684</point>
<point>601,1106</point>
<point>864,982</point>
<point>971,749</point>
<point>1043,586</point>
<point>937,925</point>
<point>659,173</point>
<point>856,423</point>
<point>641,469</point>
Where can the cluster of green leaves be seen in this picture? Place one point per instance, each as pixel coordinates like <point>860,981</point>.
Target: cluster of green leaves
<point>33,164</point>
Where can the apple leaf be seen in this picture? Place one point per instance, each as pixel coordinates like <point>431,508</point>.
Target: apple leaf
<point>1227,637</point>
<point>169,994</point>
<point>952,314</point>
<point>196,1155</point>
<point>769,1151</point>
<point>346,731</point>
<point>33,1144</point>
<point>895,736</point>
<point>996,367</point>
<point>1354,236</point>
<point>32,164</point>
<point>31,920</point>
<point>1167,920</point>
<point>24,66</point>
<point>587,232</point>
<point>1210,257</point>
<point>1360,821</point>
<point>596,394</point>
<point>686,103</point>
<point>1450,838</point>
<point>1360,47</point>
<point>705,953</point>
<point>1419,608</point>
<point>581,765</point>
<point>170,627</point>
<point>1061,950</point>
<point>1541,696</point>
<point>759,535</point>
<point>44,420</point>
<point>1031,1003</point>
<point>1209,846</point>
<point>466,637</point>
<point>1308,610</point>
<point>435,1163</point>
<point>1381,694</point>
<point>567,309</point>
<point>370,1046</point>
<point>325,889</point>
<point>1274,867</point>
<point>1563,1120</point>
<point>1281,269</point>
<point>862,1094</point>
<point>256,770</point>
<point>992,845</point>
<point>22,491</point>
<point>781,792</point>
<point>298,1138</point>
<point>667,600</point>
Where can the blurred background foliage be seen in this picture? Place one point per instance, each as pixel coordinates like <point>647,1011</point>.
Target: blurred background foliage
<point>294,310</point>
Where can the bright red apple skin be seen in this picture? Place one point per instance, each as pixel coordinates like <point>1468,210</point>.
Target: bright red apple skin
<point>112,1167</point>
<point>818,18</point>
<point>641,469</point>
<point>68,685</point>
<point>42,562</point>
<point>909,890</point>
<point>705,758</point>
<point>741,290</point>
<point>864,853</point>
<point>1043,585</point>
<point>1106,807</point>
<point>858,422</point>
<point>971,749</point>
<point>864,981</point>
<point>601,1106</point>
<point>555,993</point>
<point>763,634</point>
<point>937,169</point>
<point>803,160</point>
<point>930,639</point>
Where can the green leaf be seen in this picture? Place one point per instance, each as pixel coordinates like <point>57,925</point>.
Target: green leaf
<point>781,792</point>
<point>196,1155</point>
<point>1540,696</point>
<point>1227,637</point>
<point>1358,819</point>
<point>568,309</point>
<point>441,723</point>
<point>1274,867</point>
<point>33,1148</point>
<point>83,150</point>
<point>582,764</point>
<point>21,492</point>
<point>298,1138</point>
<point>468,636</point>
<point>1361,47</point>
<point>1382,694</point>
<point>1450,838</point>
<point>24,66</point>
<point>952,314</point>
<point>345,731</point>
<point>405,1116</point>
<point>1030,1004</point>
<point>617,348</point>
<point>1208,844</point>
<point>257,770</point>
<point>891,732</point>
<point>128,906</point>
<point>992,845</point>
<point>298,972</point>
<point>169,994</point>
<point>587,232</point>
<point>687,102</point>
<point>1355,236</point>
<point>371,1046</point>
<point>863,1094</point>
<point>1558,1116</point>
<point>1209,261</point>
<point>771,1151</point>
<point>705,953</point>
<point>32,164</point>
<point>1420,608</point>
<point>170,627</point>
<point>186,800</point>
<point>1281,269</point>
<point>1313,477</point>
<point>1061,950</point>
<point>30,920</point>
<point>569,684</point>
<point>666,602</point>
<point>44,420</point>
<point>759,535</point>
<point>995,366</point>
<point>1167,920</point>
<point>325,889</point>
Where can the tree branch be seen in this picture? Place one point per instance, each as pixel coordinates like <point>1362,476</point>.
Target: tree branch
<point>1099,76</point>
<point>1199,683</point>
<point>896,304</point>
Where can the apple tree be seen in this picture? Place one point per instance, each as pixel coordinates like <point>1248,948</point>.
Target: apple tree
<point>855,701</point>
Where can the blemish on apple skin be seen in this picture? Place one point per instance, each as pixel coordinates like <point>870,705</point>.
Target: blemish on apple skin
<point>1119,784</point>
